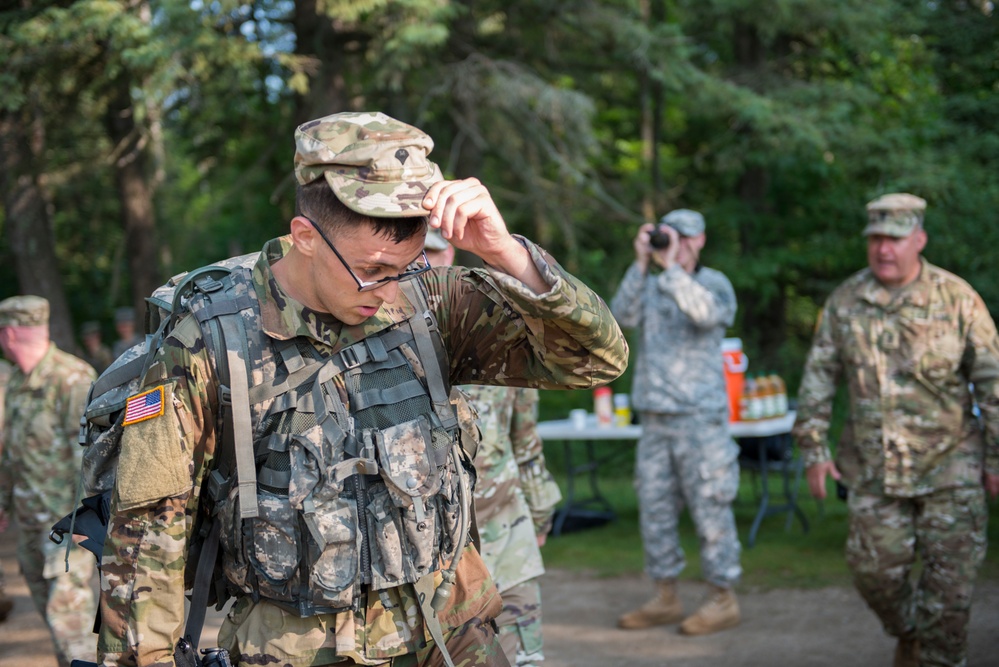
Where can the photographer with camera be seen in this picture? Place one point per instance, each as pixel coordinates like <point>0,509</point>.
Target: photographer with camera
<point>685,455</point>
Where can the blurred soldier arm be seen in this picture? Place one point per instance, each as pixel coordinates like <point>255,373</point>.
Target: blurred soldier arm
<point>540,489</point>
<point>627,302</point>
<point>708,305</point>
<point>980,364</point>
<point>823,369</point>
<point>163,460</point>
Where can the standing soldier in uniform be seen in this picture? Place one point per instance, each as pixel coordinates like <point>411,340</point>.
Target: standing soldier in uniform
<point>515,498</point>
<point>95,352</point>
<point>685,454</point>
<point>6,604</point>
<point>907,338</point>
<point>124,325</point>
<point>360,495</point>
<point>40,466</point>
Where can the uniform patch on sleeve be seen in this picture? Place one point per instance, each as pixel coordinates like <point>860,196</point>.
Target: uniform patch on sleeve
<point>144,406</point>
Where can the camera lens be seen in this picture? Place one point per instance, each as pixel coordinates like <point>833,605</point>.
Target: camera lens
<point>659,239</point>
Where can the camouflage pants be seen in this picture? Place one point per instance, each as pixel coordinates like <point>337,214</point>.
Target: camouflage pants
<point>64,599</point>
<point>947,531</point>
<point>520,624</point>
<point>688,460</point>
<point>473,644</point>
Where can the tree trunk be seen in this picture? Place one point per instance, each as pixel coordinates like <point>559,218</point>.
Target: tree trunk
<point>316,37</point>
<point>135,195</point>
<point>28,225</point>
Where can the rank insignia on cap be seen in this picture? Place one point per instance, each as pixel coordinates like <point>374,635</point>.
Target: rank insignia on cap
<point>144,406</point>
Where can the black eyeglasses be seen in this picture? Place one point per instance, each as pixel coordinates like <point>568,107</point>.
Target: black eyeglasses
<point>421,265</point>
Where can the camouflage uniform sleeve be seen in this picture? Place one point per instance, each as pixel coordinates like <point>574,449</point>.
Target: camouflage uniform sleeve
<point>540,489</point>
<point>815,395</point>
<point>627,302</point>
<point>500,332</point>
<point>163,460</point>
<point>708,305</point>
<point>981,366</point>
<point>6,483</point>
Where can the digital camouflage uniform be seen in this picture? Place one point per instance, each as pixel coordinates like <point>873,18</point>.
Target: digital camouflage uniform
<point>912,452</point>
<point>40,465</point>
<point>685,455</point>
<point>515,498</point>
<point>495,331</point>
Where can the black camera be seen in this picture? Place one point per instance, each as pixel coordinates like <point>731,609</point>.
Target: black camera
<point>659,239</point>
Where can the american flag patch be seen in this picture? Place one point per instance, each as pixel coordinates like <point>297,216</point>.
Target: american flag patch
<point>144,406</point>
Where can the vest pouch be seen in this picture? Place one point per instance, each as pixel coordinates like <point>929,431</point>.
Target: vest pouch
<point>404,454</point>
<point>234,565</point>
<point>333,524</point>
<point>404,547</point>
<point>449,512</point>
<point>273,553</point>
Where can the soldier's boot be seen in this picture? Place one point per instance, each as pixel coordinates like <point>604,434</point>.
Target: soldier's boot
<point>663,609</point>
<point>6,604</point>
<point>719,612</point>
<point>907,652</point>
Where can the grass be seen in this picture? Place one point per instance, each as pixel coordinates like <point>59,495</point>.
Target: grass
<point>779,559</point>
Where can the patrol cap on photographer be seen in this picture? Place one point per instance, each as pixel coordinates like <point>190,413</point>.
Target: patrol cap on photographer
<point>684,221</point>
<point>375,164</point>
<point>24,311</point>
<point>897,214</point>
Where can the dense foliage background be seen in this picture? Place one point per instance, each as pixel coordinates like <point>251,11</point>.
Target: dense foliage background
<point>142,138</point>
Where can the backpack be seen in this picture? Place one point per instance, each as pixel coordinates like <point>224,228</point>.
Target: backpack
<point>207,293</point>
<point>217,296</point>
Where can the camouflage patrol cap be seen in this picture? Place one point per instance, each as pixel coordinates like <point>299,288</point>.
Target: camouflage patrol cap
<point>684,221</point>
<point>124,314</point>
<point>89,328</point>
<point>896,214</point>
<point>24,311</point>
<point>375,165</point>
<point>435,241</point>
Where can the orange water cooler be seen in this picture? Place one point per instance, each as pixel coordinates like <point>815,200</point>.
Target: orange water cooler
<point>735,363</point>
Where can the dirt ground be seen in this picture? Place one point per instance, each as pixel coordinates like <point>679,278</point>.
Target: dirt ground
<point>794,628</point>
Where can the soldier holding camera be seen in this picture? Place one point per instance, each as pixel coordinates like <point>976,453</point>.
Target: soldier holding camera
<point>685,455</point>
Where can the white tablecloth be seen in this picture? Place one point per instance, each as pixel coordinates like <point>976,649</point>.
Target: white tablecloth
<point>562,429</point>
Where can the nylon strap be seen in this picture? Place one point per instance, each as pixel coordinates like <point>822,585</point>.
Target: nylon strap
<point>425,348</point>
<point>424,587</point>
<point>202,579</point>
<point>246,469</point>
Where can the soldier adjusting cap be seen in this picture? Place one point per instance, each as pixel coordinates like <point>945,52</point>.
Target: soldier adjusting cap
<point>24,311</point>
<point>897,214</point>
<point>375,165</point>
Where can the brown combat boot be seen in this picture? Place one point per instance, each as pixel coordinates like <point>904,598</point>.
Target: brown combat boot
<point>663,609</point>
<point>719,612</point>
<point>6,604</point>
<point>907,652</point>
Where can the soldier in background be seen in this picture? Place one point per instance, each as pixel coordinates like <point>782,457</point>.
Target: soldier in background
<point>124,324</point>
<point>515,497</point>
<point>39,468</point>
<point>907,338</point>
<point>95,352</point>
<point>6,604</point>
<point>686,454</point>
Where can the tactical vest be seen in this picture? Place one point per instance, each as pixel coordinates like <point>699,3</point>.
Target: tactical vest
<point>360,480</point>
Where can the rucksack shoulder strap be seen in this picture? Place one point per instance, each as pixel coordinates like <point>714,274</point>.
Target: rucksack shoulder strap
<point>431,350</point>
<point>221,312</point>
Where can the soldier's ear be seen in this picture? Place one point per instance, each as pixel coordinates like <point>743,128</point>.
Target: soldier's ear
<point>304,236</point>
